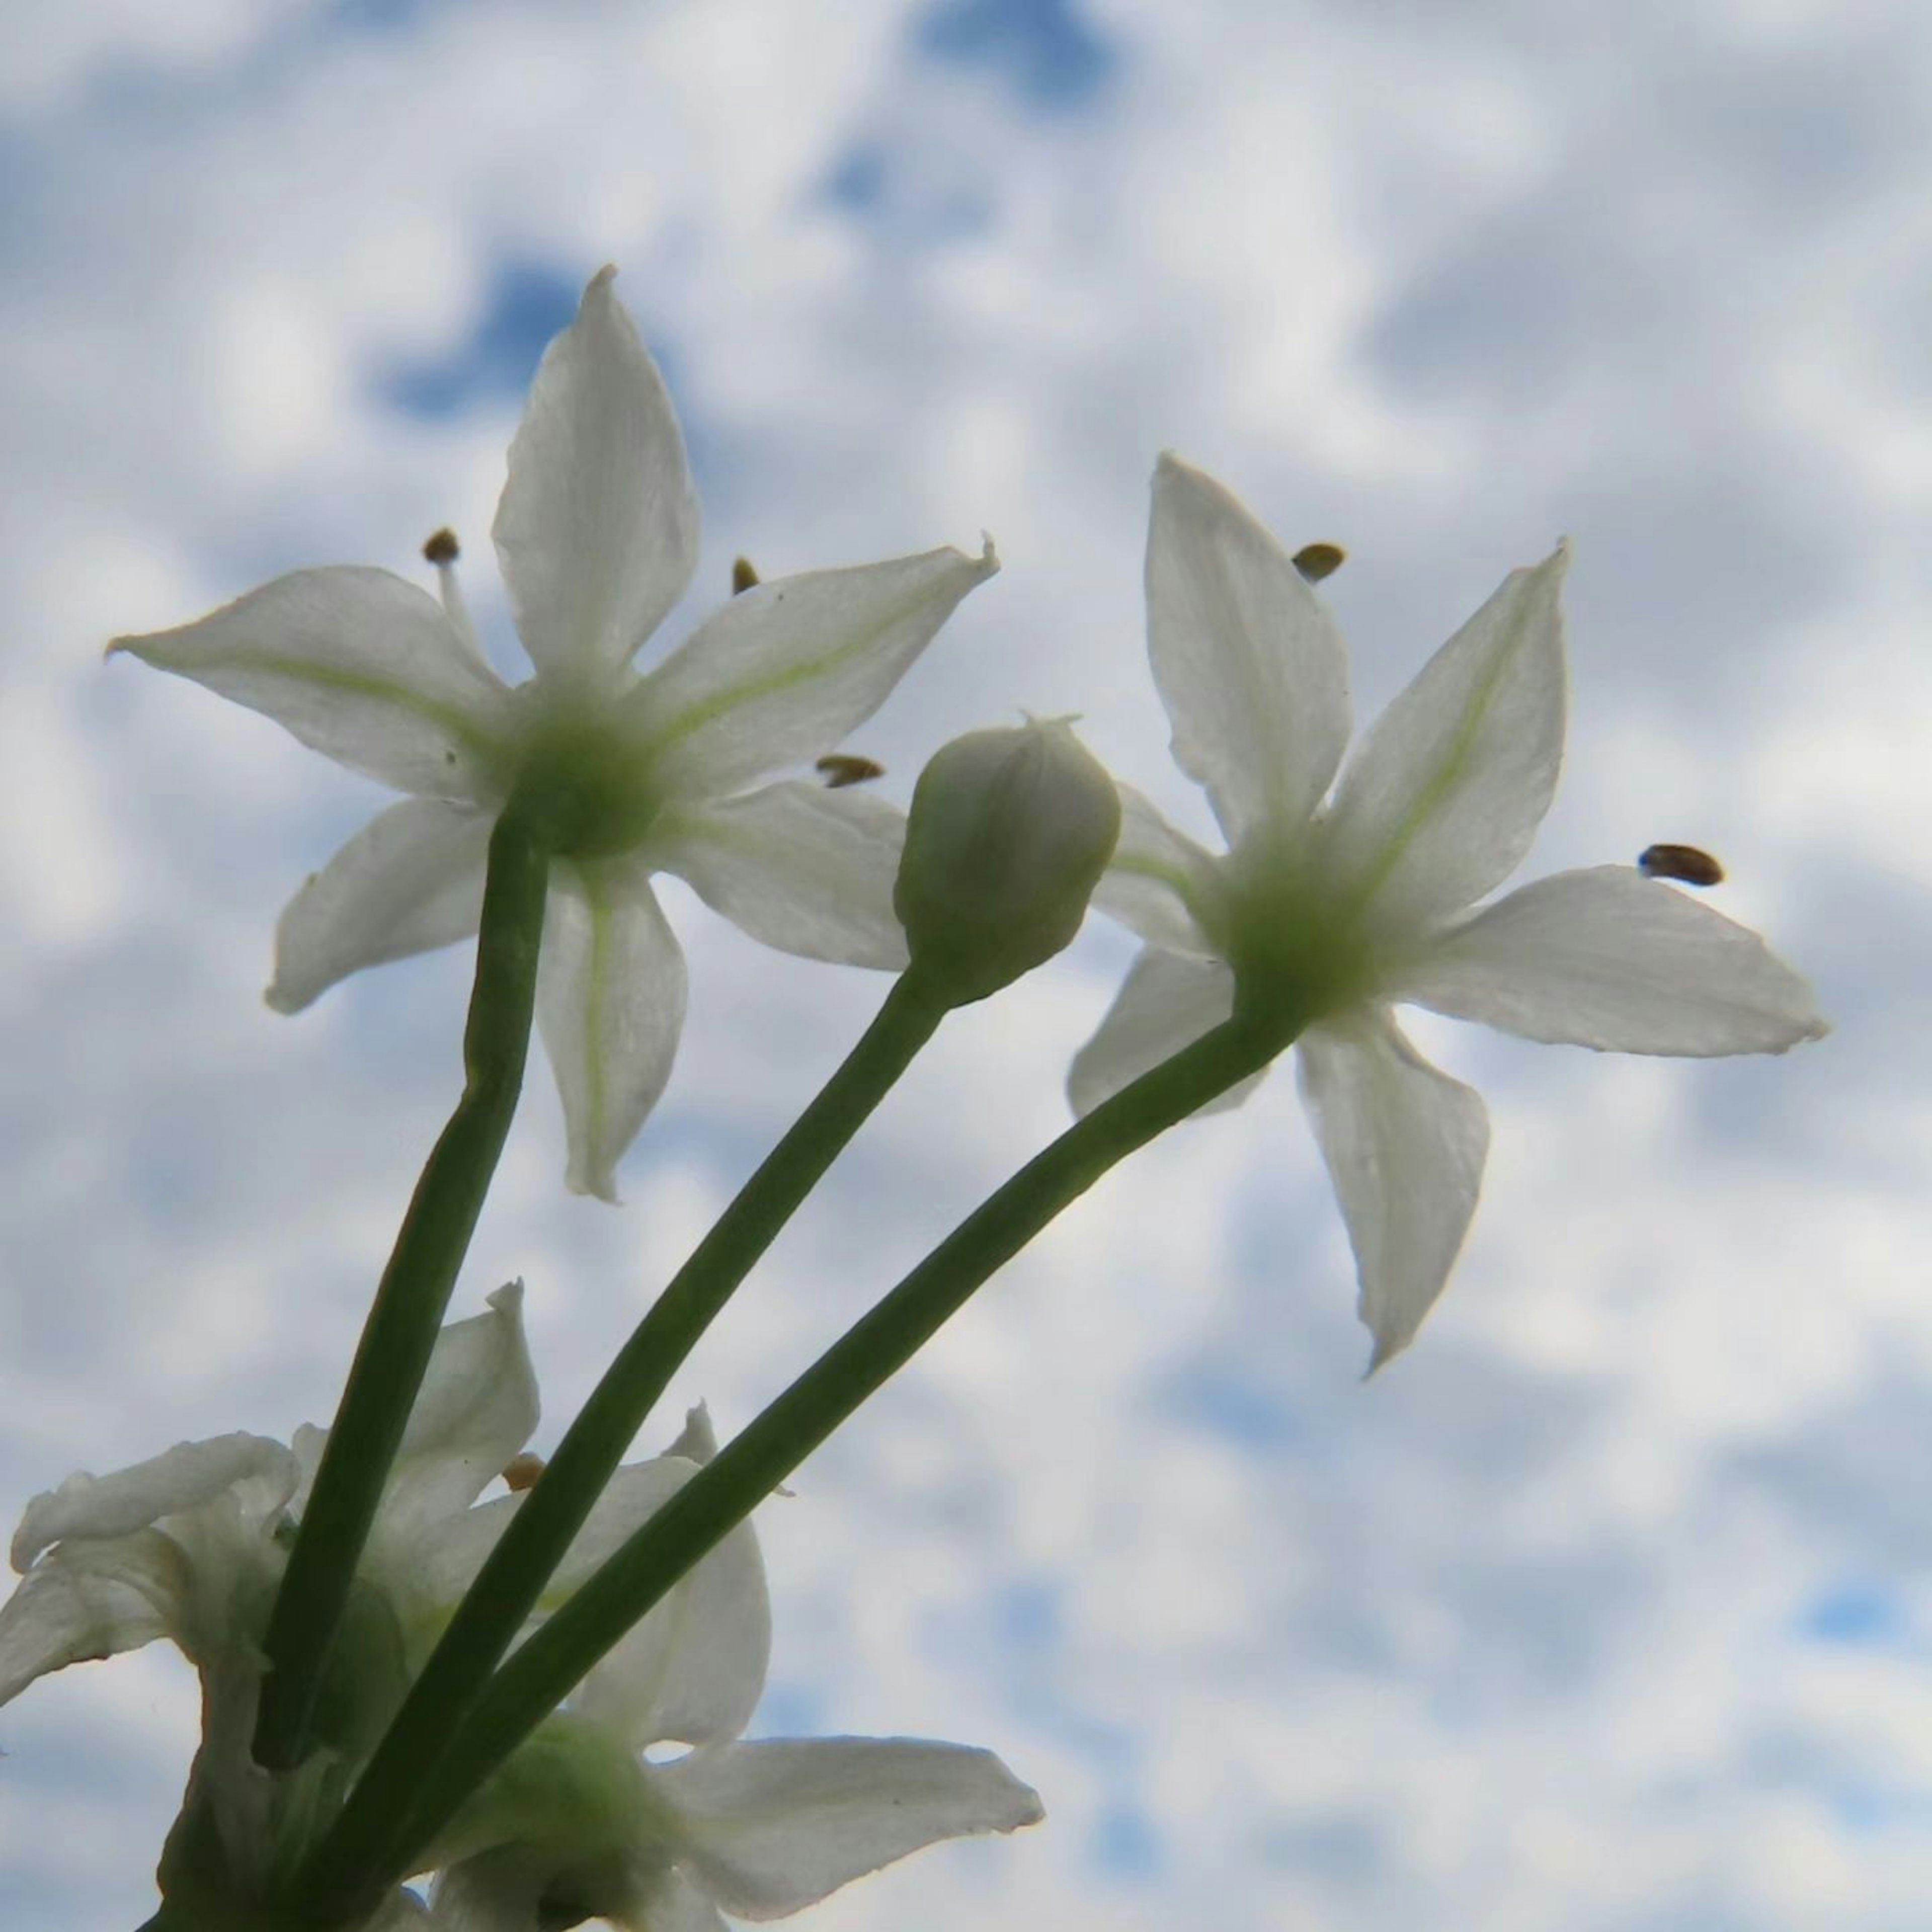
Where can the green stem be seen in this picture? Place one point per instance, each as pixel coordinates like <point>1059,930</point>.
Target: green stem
<point>556,1658</point>
<point>369,1834</point>
<point>402,1326</point>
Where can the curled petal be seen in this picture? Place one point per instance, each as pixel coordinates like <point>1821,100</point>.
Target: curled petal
<point>410,880</point>
<point>90,1599</point>
<point>783,672</point>
<point>768,1828</point>
<point>1159,884</point>
<point>359,664</point>
<point>1405,1146</point>
<point>798,867</point>
<point>1443,799</point>
<point>1251,667</point>
<point>1167,1002</point>
<point>610,991</point>
<point>597,531</point>
<point>476,1409</point>
<point>1606,958</point>
<point>178,1479</point>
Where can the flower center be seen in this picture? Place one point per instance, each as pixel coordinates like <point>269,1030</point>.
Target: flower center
<point>588,788</point>
<point>1298,950</point>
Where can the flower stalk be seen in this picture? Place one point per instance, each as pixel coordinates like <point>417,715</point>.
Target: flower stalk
<point>544,1670</point>
<point>402,1323</point>
<point>365,1836</point>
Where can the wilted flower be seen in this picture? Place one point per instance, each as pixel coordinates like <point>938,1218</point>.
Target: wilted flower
<point>596,534</point>
<point>1326,911</point>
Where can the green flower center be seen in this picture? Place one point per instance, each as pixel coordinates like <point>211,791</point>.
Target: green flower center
<point>587,787</point>
<point>1298,949</point>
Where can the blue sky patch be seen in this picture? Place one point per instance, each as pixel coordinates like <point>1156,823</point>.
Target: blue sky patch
<point>526,305</point>
<point>1854,1614</point>
<point>1046,47</point>
<point>1125,1844</point>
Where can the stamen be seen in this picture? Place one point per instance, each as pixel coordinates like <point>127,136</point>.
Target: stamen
<point>442,549</point>
<point>743,577</point>
<point>847,768</point>
<point>1690,863</point>
<point>522,1472</point>
<point>1317,560</point>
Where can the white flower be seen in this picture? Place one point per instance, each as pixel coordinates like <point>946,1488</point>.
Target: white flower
<point>190,1546</point>
<point>1326,910</point>
<point>579,1824</point>
<point>596,534</point>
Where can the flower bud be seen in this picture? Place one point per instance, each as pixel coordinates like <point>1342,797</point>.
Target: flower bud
<point>1009,832</point>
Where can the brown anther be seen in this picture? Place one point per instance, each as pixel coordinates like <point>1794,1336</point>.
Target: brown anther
<point>743,575</point>
<point>1690,863</point>
<point>442,546</point>
<point>1317,560</point>
<point>522,1472</point>
<point>846,768</point>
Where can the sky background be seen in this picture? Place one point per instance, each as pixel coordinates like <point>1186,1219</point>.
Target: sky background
<point>1608,1607</point>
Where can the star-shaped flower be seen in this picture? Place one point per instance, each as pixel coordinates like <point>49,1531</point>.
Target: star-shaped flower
<point>1327,909</point>
<point>597,536</point>
<point>581,1824</point>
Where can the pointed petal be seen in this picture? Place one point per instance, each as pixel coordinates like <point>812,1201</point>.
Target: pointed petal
<point>181,1478</point>
<point>784,671</point>
<point>698,1440</point>
<point>1251,667</point>
<point>1445,794</point>
<point>1405,1146</point>
<point>358,664</point>
<point>804,869</point>
<point>410,880</point>
<point>1606,958</point>
<point>90,1599</point>
<point>477,1407</point>
<point>597,531</point>
<point>611,1003</point>
<point>1159,884</point>
<point>694,1670</point>
<point>1167,1002</point>
<point>768,1828</point>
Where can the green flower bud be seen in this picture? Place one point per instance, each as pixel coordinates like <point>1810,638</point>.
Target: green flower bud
<point>1009,832</point>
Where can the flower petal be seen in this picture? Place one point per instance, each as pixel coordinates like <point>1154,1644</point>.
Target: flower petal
<point>358,664</point>
<point>1404,1145</point>
<point>410,880</point>
<point>1606,958</point>
<point>1251,667</point>
<point>1167,1001</point>
<point>90,1599</point>
<point>610,994</point>
<point>694,1670</point>
<point>477,1407</point>
<point>782,673</point>
<point>181,1478</point>
<point>799,867</point>
<point>768,1828</point>
<point>1159,884</point>
<point>597,530</point>
<point>1443,798</point>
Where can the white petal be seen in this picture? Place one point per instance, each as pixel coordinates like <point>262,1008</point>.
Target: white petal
<point>771,1827</point>
<point>694,1670</point>
<point>410,880</point>
<point>597,531</point>
<point>181,1478</point>
<point>1250,665</point>
<point>799,867</point>
<point>1606,958</point>
<point>1404,1145</point>
<point>610,992</point>
<point>1166,1002</point>
<point>698,1440</point>
<point>359,664</point>
<point>781,673</point>
<point>1443,798</point>
<point>1159,884</point>
<point>92,1599</point>
<point>477,1407</point>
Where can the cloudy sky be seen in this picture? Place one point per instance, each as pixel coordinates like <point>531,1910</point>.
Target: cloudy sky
<point>1609,1606</point>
